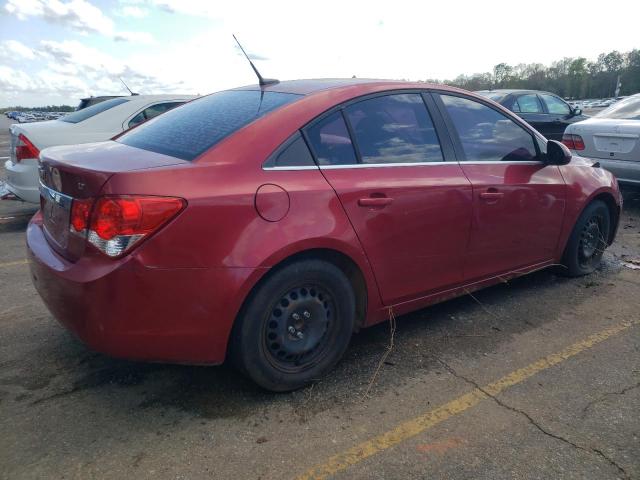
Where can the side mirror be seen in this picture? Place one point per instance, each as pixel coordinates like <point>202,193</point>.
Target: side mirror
<point>557,153</point>
<point>577,111</point>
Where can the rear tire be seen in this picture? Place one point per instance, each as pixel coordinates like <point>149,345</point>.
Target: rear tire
<point>295,326</point>
<point>588,240</point>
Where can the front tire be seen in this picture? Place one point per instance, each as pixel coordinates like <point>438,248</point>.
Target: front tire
<point>295,326</point>
<point>588,240</point>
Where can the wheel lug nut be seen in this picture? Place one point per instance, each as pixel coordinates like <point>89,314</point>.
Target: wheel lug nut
<point>307,314</point>
<point>300,335</point>
<point>296,316</point>
<point>291,329</point>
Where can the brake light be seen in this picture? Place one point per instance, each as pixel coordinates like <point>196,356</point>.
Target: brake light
<point>578,143</point>
<point>80,210</point>
<point>25,149</point>
<point>572,141</point>
<point>117,223</point>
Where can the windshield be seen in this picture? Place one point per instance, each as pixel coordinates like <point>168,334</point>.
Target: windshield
<point>188,131</point>
<point>93,110</point>
<point>629,109</point>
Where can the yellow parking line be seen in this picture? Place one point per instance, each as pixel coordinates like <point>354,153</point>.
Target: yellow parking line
<point>417,425</point>
<point>11,264</point>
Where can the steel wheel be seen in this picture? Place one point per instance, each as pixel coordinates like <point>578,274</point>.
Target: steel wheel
<point>297,331</point>
<point>589,238</point>
<point>295,326</point>
<point>592,243</point>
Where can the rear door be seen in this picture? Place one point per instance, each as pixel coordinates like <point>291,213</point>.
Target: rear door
<point>409,205</point>
<point>518,201</point>
<point>529,107</point>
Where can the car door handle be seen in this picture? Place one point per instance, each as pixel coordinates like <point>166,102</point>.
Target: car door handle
<point>375,201</point>
<point>490,195</point>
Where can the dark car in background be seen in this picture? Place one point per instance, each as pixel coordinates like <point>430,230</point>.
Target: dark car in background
<point>544,111</point>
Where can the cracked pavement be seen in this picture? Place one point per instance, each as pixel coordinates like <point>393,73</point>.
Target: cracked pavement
<point>67,412</point>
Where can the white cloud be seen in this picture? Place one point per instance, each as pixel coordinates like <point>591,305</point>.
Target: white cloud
<point>13,49</point>
<point>132,11</point>
<point>77,15</point>
<point>69,70</point>
<point>134,37</point>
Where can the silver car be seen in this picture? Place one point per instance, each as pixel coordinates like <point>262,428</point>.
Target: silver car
<point>612,137</point>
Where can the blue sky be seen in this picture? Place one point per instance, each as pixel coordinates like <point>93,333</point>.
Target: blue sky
<point>57,51</point>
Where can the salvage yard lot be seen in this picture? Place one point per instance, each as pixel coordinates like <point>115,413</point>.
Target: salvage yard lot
<point>537,378</point>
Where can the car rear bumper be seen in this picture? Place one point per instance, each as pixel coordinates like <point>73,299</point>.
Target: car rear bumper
<point>22,179</point>
<point>125,309</point>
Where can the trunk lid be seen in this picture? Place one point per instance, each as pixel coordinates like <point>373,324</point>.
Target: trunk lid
<point>609,139</point>
<point>79,172</point>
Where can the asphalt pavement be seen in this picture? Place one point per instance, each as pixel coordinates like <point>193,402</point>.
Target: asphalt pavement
<point>535,379</point>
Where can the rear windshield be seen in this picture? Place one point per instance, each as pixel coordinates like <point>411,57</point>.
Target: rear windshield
<point>495,96</point>
<point>629,109</point>
<point>188,131</point>
<point>89,112</point>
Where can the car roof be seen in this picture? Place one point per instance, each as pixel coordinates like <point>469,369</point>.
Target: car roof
<point>310,86</point>
<point>147,98</point>
<point>511,91</point>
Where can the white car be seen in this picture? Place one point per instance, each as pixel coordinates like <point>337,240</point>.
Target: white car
<point>97,123</point>
<point>612,137</point>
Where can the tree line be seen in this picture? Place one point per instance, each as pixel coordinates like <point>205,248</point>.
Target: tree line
<point>571,78</point>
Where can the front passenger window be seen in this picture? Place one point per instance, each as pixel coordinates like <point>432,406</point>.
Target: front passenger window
<point>555,105</point>
<point>486,134</point>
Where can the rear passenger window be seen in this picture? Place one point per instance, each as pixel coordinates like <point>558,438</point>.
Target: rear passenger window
<point>394,129</point>
<point>152,111</point>
<point>295,154</point>
<point>331,142</point>
<point>529,104</point>
<point>486,134</point>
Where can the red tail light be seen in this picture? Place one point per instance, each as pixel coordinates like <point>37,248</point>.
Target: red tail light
<point>80,210</point>
<point>578,143</point>
<point>572,141</point>
<point>115,224</point>
<point>25,149</point>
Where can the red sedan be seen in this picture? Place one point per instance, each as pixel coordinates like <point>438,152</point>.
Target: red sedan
<point>269,224</point>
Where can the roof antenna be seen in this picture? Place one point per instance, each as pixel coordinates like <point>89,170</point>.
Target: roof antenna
<point>125,86</point>
<point>261,81</point>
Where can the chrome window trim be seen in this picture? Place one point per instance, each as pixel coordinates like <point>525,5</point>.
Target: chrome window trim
<point>379,165</point>
<point>414,164</point>
<point>501,162</point>
<point>285,168</point>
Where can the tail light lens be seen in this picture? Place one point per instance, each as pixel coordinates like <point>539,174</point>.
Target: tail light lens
<point>79,220</point>
<point>115,224</point>
<point>572,141</point>
<point>25,149</point>
<point>578,143</point>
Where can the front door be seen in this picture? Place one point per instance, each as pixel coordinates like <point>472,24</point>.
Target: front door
<point>559,115</point>
<point>518,201</point>
<point>410,208</point>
